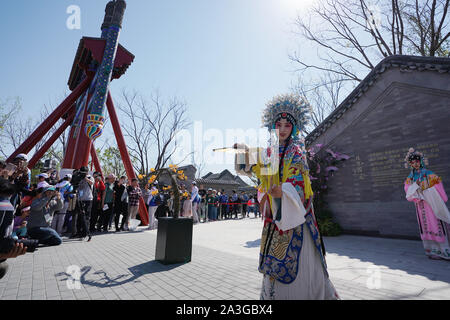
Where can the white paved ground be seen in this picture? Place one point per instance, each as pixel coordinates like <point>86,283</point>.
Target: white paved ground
<point>223,267</point>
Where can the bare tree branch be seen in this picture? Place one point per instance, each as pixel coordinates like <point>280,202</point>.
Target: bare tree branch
<point>351,36</point>
<point>150,129</point>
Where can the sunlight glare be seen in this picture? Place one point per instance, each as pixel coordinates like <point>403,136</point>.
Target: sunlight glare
<point>296,4</point>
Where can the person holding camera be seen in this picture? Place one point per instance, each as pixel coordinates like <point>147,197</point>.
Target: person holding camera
<point>19,176</point>
<point>84,203</point>
<point>53,176</point>
<point>42,209</point>
<point>6,227</point>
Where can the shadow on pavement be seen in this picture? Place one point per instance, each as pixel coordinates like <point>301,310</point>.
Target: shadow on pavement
<point>253,244</point>
<point>395,254</point>
<point>96,234</point>
<point>108,282</point>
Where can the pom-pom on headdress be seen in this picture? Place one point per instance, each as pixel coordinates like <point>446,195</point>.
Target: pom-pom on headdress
<point>290,106</point>
<point>415,155</point>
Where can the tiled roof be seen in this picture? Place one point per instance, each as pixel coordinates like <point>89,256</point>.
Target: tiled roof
<point>217,181</point>
<point>240,181</point>
<point>404,63</point>
<point>218,178</point>
<point>213,176</point>
<point>207,175</point>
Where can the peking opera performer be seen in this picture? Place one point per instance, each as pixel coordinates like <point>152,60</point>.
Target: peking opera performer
<point>426,190</point>
<point>292,257</point>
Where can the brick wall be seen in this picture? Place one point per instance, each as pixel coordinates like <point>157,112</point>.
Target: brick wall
<point>366,195</point>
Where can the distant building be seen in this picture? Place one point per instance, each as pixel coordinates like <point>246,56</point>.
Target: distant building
<point>218,181</point>
<point>403,102</point>
<point>189,172</point>
<point>224,180</point>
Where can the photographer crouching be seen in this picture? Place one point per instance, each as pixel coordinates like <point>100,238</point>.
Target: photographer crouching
<point>42,209</point>
<point>9,247</point>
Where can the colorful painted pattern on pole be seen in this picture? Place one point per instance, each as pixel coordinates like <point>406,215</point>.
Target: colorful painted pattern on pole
<point>95,128</point>
<point>96,109</point>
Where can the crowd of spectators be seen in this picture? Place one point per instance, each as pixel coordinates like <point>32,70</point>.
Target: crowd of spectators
<point>212,205</point>
<point>80,205</point>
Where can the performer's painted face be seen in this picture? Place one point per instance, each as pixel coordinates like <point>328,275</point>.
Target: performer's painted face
<point>284,128</point>
<point>415,164</point>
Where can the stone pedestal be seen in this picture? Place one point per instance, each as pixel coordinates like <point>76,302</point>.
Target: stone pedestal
<point>174,240</point>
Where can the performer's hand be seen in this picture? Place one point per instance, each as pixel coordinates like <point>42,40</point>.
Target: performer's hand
<point>240,146</point>
<point>276,191</point>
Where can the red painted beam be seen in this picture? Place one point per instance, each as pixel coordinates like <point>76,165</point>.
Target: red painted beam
<point>51,120</point>
<point>70,148</point>
<point>83,143</point>
<point>95,160</point>
<point>124,154</point>
<point>86,150</point>
<point>39,154</point>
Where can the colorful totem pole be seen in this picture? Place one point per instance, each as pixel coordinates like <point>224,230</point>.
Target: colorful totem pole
<point>96,108</point>
<point>97,62</point>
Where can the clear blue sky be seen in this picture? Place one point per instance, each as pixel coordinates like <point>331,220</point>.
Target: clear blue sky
<point>224,58</point>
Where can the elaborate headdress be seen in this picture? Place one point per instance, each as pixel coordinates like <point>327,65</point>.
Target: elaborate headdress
<point>292,107</point>
<point>415,155</point>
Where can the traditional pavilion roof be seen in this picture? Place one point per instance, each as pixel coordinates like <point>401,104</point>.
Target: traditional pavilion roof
<point>240,181</point>
<point>217,181</point>
<point>225,177</point>
<point>90,53</point>
<point>404,63</point>
<point>213,176</point>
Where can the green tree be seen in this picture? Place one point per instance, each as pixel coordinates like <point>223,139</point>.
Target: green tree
<point>111,161</point>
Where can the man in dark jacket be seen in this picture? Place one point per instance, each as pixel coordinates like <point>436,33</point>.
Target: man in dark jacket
<point>244,200</point>
<point>224,204</point>
<point>163,209</point>
<point>235,204</point>
<point>120,203</point>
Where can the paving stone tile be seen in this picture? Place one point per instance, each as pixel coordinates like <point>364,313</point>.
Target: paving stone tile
<point>223,267</point>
